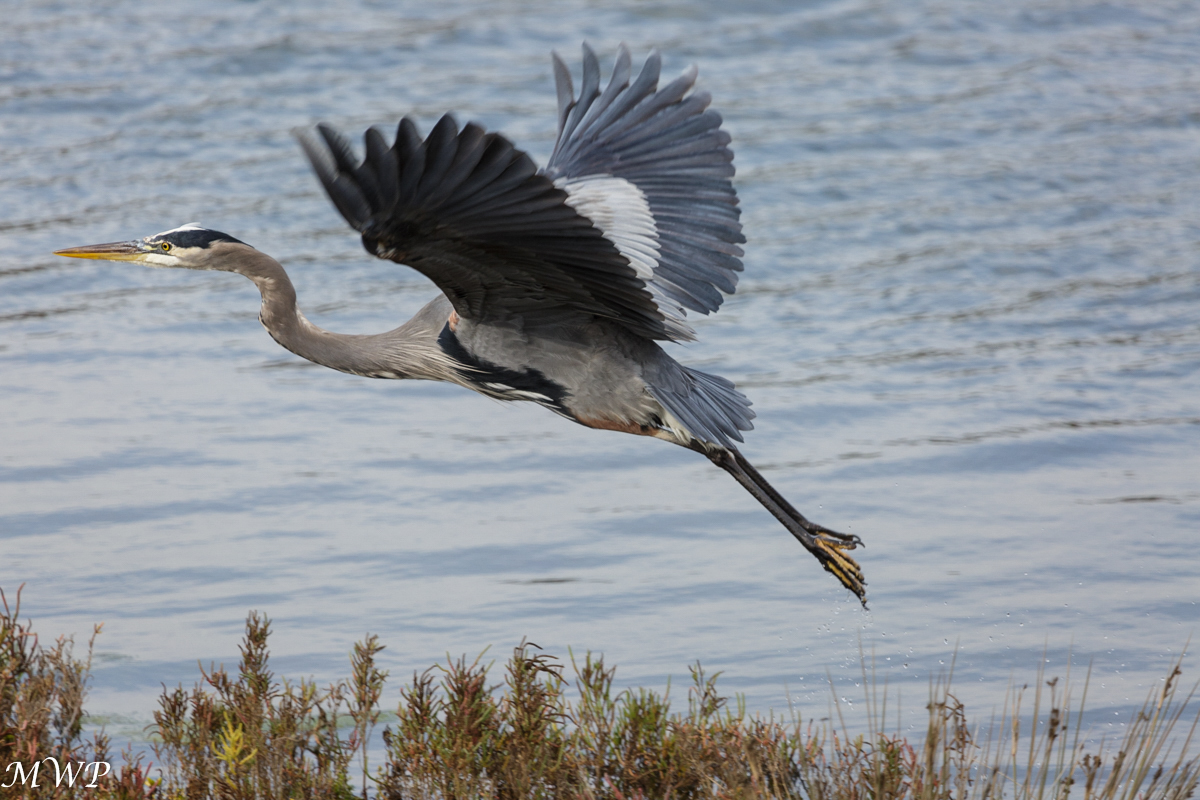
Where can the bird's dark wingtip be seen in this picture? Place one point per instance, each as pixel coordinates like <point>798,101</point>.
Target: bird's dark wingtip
<point>328,153</point>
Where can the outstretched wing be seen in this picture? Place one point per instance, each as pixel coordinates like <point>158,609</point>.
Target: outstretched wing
<point>470,211</point>
<point>651,168</point>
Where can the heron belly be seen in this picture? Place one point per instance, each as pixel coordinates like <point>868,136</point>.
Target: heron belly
<point>586,374</point>
<point>498,381</point>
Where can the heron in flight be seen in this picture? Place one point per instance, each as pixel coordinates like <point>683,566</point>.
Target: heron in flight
<point>557,285</point>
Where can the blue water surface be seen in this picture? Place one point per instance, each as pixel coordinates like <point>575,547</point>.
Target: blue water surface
<point>969,321</point>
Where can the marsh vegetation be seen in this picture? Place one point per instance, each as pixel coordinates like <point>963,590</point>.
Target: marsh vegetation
<point>537,727</point>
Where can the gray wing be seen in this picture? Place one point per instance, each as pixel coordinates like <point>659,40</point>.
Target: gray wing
<point>651,168</point>
<point>469,210</point>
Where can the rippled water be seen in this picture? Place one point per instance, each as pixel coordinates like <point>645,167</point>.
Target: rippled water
<point>970,323</point>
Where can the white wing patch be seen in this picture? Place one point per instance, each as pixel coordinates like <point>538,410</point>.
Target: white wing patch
<point>619,209</point>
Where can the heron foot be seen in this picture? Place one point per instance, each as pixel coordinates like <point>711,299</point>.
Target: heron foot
<point>828,547</point>
<point>848,540</point>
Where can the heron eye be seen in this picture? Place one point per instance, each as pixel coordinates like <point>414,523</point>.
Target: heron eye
<point>166,246</point>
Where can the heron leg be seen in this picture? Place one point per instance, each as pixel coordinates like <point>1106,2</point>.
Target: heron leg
<point>828,546</point>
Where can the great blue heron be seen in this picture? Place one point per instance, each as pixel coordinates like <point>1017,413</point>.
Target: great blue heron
<point>557,284</point>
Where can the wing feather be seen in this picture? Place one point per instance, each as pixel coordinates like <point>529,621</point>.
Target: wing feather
<point>410,156</point>
<point>670,146</point>
<point>471,212</point>
<point>634,219</point>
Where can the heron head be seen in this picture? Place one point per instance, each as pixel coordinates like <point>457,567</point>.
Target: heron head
<point>187,247</point>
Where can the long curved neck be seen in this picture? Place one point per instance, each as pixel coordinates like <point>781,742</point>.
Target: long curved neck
<point>410,351</point>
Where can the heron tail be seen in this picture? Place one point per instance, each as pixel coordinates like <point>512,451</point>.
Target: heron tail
<point>709,407</point>
<point>827,546</point>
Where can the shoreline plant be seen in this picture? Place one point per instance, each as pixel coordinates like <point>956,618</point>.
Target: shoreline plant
<point>541,733</point>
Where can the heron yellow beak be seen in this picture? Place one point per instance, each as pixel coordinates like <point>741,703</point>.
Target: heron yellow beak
<point>113,251</point>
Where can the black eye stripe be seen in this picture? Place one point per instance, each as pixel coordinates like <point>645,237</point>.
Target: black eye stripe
<point>196,237</point>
